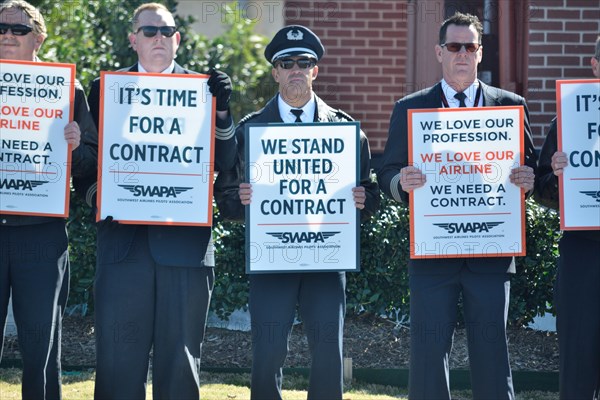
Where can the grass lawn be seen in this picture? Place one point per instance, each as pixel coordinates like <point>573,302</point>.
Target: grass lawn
<point>218,386</point>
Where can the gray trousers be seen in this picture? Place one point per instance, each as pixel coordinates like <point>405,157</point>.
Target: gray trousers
<point>577,299</point>
<point>143,306</point>
<point>321,300</point>
<point>34,265</point>
<point>433,317</point>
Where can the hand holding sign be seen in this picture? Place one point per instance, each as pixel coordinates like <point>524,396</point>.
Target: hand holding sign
<point>559,162</point>
<point>411,178</point>
<point>523,177</point>
<point>245,193</point>
<point>73,134</point>
<point>220,86</point>
<point>360,196</point>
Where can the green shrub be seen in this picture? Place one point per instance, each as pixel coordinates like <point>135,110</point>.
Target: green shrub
<point>231,281</point>
<point>381,287</point>
<point>82,255</point>
<point>532,285</point>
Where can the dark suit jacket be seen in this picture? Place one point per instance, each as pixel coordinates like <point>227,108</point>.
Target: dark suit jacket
<point>181,246</point>
<point>228,199</point>
<point>395,157</point>
<point>546,183</point>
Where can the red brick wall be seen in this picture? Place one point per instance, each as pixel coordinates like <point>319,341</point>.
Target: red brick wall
<point>363,70</point>
<point>562,34</point>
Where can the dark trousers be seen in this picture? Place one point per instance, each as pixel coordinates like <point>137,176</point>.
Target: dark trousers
<point>34,265</point>
<point>141,305</point>
<point>433,318</point>
<point>322,302</point>
<point>577,300</point>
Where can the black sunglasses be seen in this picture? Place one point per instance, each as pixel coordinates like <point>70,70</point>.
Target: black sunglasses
<point>151,31</point>
<point>455,47</point>
<point>303,63</point>
<point>16,29</point>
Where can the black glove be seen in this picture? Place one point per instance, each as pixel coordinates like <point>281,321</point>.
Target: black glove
<point>220,86</point>
<point>110,220</point>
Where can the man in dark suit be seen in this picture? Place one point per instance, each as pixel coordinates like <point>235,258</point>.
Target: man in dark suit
<point>320,296</point>
<point>154,283</point>
<point>577,286</point>
<point>34,257</point>
<point>437,284</point>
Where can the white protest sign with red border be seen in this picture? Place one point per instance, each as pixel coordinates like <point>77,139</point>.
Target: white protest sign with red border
<point>468,207</point>
<point>35,159</point>
<point>579,136</point>
<point>156,148</point>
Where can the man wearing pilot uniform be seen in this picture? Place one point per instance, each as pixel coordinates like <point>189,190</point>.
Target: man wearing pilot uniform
<point>34,255</point>
<point>154,283</point>
<point>294,53</point>
<point>436,284</point>
<point>576,295</point>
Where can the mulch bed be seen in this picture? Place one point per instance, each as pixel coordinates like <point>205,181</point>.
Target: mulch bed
<point>370,342</point>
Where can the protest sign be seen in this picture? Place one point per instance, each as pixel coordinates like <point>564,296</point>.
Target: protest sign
<point>35,159</point>
<point>302,216</point>
<point>579,137</point>
<point>468,207</point>
<point>156,149</point>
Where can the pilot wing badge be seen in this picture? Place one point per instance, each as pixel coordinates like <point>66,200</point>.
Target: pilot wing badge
<point>294,34</point>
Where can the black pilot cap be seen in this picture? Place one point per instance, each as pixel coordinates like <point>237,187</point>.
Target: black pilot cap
<point>294,40</point>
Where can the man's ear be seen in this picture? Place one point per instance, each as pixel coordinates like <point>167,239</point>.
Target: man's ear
<point>39,40</point>
<point>438,52</point>
<point>132,40</point>
<point>595,67</point>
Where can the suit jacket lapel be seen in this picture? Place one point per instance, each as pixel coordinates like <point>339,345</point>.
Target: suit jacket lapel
<point>434,97</point>
<point>178,69</point>
<point>489,97</point>
<point>272,110</point>
<point>321,110</point>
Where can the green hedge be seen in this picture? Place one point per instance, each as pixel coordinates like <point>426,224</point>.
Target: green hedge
<point>381,287</point>
<point>82,255</point>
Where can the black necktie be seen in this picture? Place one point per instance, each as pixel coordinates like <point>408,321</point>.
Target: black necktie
<point>461,98</point>
<point>297,113</point>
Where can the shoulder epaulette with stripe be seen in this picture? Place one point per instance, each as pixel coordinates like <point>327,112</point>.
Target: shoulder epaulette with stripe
<point>249,117</point>
<point>344,115</point>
